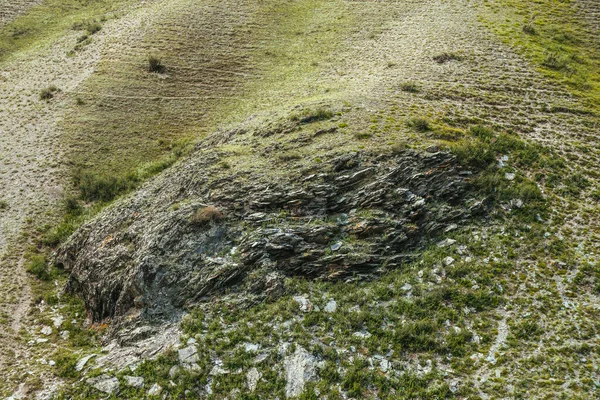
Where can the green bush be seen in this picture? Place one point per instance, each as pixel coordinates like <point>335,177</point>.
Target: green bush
<point>155,65</point>
<point>48,93</point>
<point>419,124</point>
<point>101,187</point>
<point>37,266</point>
<point>308,116</point>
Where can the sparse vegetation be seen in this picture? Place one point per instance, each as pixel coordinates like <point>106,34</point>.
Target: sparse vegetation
<point>410,87</point>
<point>155,65</point>
<point>49,92</point>
<point>308,115</point>
<point>447,57</point>
<point>419,124</point>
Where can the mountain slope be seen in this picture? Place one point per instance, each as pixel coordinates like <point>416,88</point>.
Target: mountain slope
<point>300,113</point>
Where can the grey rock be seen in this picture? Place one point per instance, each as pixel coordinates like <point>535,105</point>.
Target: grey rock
<point>449,261</point>
<point>134,381</point>
<point>143,257</point>
<point>105,383</point>
<point>300,368</point>
<point>155,390</point>
<point>305,304</point>
<point>82,362</point>
<point>46,330</point>
<point>188,355</point>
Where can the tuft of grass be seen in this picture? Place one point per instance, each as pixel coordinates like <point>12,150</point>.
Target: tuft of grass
<point>155,65</point>
<point>410,87</point>
<point>308,115</point>
<point>419,124</point>
<point>447,57</point>
<point>37,267</point>
<point>91,27</point>
<point>48,93</point>
<point>3,205</point>
<point>205,215</point>
<point>529,29</point>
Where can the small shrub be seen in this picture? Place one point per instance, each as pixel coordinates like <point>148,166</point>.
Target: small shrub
<point>410,87</point>
<point>48,93</point>
<point>529,29</point>
<point>446,57</point>
<point>527,330</point>
<point>473,153</point>
<point>308,116</point>
<point>155,65</point>
<point>554,61</point>
<point>91,27</point>
<point>482,132</point>
<point>3,205</point>
<point>362,135</point>
<point>101,187</point>
<point>37,266</point>
<point>419,124</point>
<point>205,215</point>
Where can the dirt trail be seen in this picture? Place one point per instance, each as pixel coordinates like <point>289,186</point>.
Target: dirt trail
<point>32,178</point>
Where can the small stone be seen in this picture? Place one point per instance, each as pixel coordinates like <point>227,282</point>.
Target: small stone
<point>362,335</point>
<point>252,377</point>
<point>450,228</point>
<point>336,246</point>
<point>300,368</point>
<point>449,261</point>
<point>251,347</point>
<point>446,242</point>
<point>188,355</point>
<point>105,383</point>
<point>454,385</point>
<point>305,304</point>
<point>509,176</point>
<point>407,287</point>
<point>58,321</point>
<point>155,390</point>
<point>82,362</point>
<point>52,363</point>
<point>135,381</point>
<point>330,307</point>
<point>46,330</point>
<point>174,371</point>
<point>65,335</point>
<point>191,341</point>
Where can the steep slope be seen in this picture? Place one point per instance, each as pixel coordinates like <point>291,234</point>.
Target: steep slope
<point>348,142</point>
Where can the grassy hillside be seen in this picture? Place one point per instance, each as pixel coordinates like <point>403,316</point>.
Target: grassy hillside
<point>262,91</point>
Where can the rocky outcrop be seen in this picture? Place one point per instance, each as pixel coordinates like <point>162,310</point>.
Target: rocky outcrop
<point>151,254</point>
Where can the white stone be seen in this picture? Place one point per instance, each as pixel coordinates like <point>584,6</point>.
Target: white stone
<point>251,347</point>
<point>330,307</point>
<point>81,363</point>
<point>253,376</point>
<point>448,261</point>
<point>46,330</point>
<point>188,355</point>
<point>135,381</point>
<point>155,390</point>
<point>105,383</point>
<point>58,321</point>
<point>305,304</point>
<point>300,368</point>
